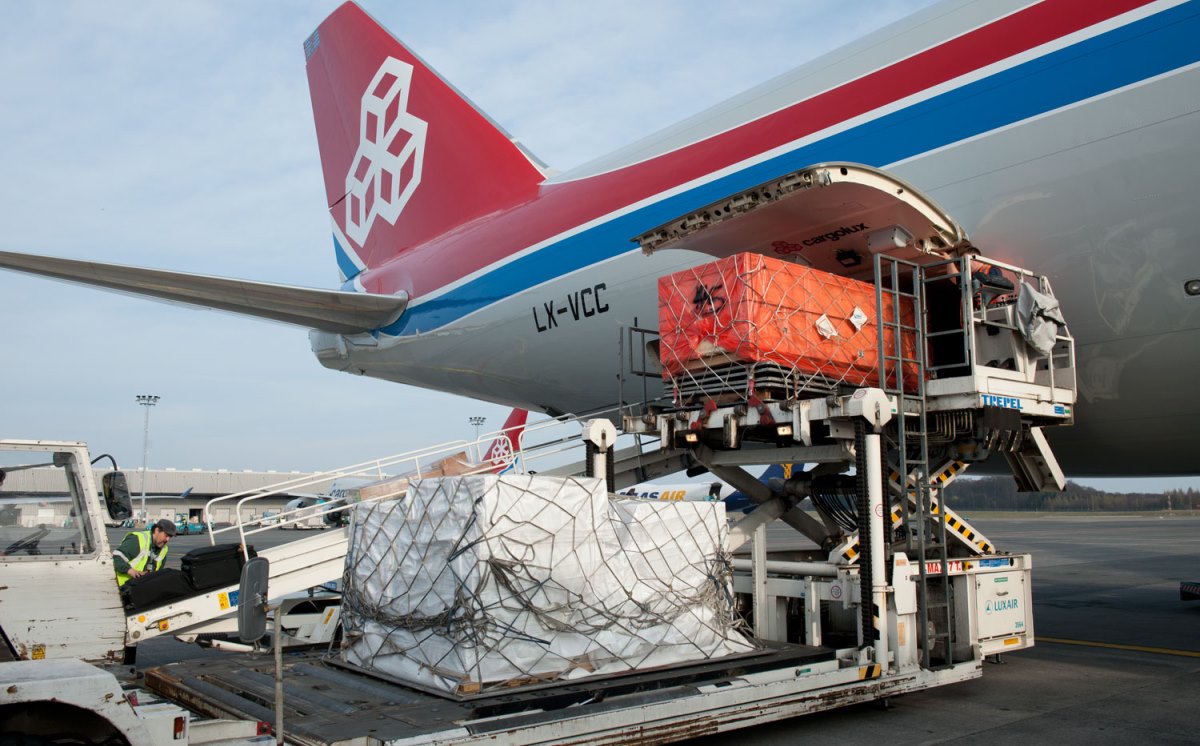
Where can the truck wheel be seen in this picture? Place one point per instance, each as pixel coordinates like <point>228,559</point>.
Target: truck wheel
<point>55,724</point>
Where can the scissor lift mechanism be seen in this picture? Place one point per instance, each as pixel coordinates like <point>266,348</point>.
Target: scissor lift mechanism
<point>930,590</point>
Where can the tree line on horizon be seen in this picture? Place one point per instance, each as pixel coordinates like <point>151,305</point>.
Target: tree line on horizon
<point>1000,493</point>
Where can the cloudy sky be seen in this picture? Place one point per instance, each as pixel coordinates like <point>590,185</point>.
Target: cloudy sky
<point>179,135</point>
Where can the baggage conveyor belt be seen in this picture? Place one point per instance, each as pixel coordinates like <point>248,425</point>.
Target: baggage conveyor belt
<point>295,566</point>
<point>326,703</point>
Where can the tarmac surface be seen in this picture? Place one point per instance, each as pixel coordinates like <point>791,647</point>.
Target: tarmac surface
<point>1117,658</point>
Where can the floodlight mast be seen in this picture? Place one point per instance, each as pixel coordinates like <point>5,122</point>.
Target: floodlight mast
<point>477,422</point>
<point>147,401</point>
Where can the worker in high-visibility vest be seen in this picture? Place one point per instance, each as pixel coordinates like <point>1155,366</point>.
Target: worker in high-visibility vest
<point>142,552</point>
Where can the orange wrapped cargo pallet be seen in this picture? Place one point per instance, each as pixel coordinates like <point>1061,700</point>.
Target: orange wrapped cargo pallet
<point>750,308</point>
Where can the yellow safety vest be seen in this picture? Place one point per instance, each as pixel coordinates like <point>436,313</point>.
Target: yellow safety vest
<point>143,555</point>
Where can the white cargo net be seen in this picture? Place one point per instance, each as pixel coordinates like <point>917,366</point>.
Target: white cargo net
<point>480,582</point>
<point>750,325</point>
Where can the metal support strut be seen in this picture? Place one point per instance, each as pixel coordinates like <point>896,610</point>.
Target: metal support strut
<point>874,519</point>
<point>872,574</point>
<point>600,435</point>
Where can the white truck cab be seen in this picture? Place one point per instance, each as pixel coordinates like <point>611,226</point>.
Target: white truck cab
<point>59,597</point>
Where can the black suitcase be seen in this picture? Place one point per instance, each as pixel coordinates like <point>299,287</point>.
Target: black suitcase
<point>155,589</point>
<point>214,567</point>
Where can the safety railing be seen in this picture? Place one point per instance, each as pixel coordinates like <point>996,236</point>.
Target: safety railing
<point>988,292</point>
<point>530,448</point>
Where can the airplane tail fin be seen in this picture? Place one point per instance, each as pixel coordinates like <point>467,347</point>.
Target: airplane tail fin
<point>741,501</point>
<point>780,471</point>
<point>505,449</point>
<point>405,156</point>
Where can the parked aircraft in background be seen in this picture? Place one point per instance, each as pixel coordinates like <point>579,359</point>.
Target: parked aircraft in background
<point>739,500</point>
<point>1060,135</point>
<point>501,457</point>
<point>699,492</point>
<point>709,491</point>
<point>342,493</point>
<point>306,512</point>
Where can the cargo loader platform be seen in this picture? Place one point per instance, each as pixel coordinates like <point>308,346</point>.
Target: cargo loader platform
<point>888,364</point>
<point>986,382</point>
<point>327,703</point>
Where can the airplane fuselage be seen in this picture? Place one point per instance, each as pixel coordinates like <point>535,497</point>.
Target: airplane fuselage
<point>1063,137</point>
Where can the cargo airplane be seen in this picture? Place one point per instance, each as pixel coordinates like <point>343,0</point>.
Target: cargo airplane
<point>1060,135</point>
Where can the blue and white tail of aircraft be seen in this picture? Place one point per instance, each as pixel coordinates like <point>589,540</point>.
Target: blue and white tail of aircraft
<point>741,501</point>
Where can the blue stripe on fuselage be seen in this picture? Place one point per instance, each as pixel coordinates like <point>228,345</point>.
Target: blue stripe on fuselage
<point>347,266</point>
<point>1121,57</point>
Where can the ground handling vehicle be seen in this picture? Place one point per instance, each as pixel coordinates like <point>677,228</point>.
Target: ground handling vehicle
<point>186,526</point>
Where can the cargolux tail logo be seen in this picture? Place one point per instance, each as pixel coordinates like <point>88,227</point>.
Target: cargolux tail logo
<point>501,456</point>
<point>387,166</point>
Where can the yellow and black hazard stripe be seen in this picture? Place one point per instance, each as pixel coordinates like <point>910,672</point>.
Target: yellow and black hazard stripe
<point>941,479</point>
<point>962,530</point>
<point>947,475</point>
<point>869,672</point>
<point>956,524</point>
<point>850,553</point>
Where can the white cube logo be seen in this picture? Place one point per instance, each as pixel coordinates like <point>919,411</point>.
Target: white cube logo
<point>386,169</point>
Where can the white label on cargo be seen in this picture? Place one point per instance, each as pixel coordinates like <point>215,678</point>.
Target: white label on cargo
<point>825,327</point>
<point>858,318</point>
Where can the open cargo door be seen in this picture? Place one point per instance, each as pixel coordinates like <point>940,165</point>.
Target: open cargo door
<point>831,216</point>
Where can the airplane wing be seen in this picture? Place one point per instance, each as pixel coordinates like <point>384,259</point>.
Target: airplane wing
<point>334,311</point>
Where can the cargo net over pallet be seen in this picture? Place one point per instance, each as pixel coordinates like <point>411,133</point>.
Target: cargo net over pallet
<point>752,326</point>
<point>479,583</point>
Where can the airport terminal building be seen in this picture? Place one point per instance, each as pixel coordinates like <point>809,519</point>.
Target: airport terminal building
<point>36,498</point>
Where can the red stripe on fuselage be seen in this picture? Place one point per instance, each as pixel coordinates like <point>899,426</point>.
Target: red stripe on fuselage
<point>560,207</point>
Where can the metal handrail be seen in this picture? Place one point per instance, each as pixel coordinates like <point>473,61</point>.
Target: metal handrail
<point>537,445</point>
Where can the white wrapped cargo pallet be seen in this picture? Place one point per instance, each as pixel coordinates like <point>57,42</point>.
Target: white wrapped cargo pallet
<point>477,582</point>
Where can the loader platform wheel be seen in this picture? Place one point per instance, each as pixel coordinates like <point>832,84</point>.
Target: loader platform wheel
<point>57,724</point>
